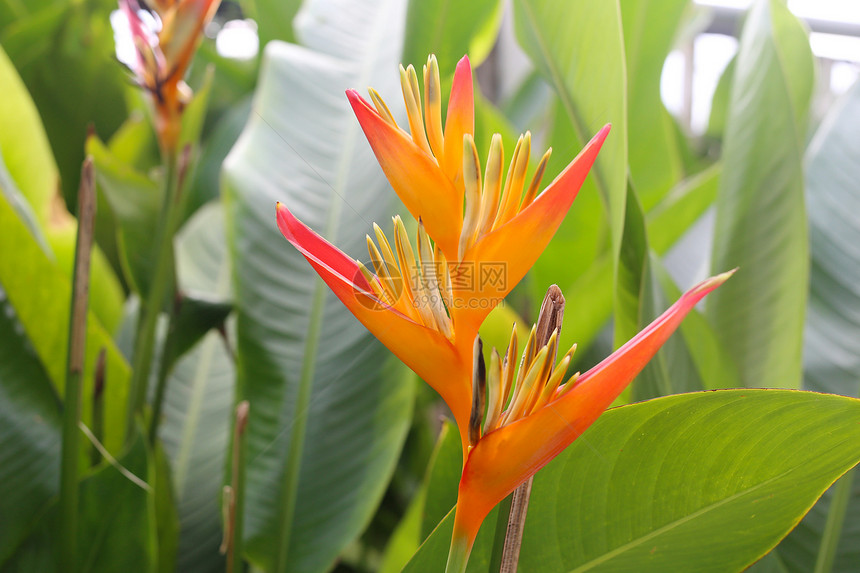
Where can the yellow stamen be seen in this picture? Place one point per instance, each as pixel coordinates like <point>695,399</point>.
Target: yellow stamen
<point>551,385</point>
<point>375,286</point>
<point>381,108</point>
<point>387,254</point>
<point>492,186</point>
<point>515,180</point>
<point>430,285</point>
<point>535,184</point>
<point>524,391</point>
<point>383,270</point>
<point>472,182</point>
<point>433,106</point>
<point>412,98</point>
<point>444,277</point>
<point>508,366</point>
<point>495,398</point>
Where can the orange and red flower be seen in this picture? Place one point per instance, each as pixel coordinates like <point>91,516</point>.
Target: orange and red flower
<point>164,49</point>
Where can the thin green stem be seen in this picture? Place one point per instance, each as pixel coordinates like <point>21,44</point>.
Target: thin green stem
<point>164,368</point>
<point>235,563</point>
<point>299,425</point>
<point>160,288</point>
<point>458,554</point>
<point>71,449</point>
<point>835,521</point>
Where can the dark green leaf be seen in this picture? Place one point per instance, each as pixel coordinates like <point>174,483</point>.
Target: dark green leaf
<point>29,434</point>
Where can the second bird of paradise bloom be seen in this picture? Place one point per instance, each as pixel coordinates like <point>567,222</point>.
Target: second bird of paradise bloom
<point>411,298</point>
<point>164,50</point>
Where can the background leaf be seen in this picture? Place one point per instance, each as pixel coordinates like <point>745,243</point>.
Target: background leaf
<point>761,217</point>
<point>450,30</point>
<point>832,334</point>
<point>303,146</point>
<point>199,400</point>
<point>29,434</point>
<point>592,91</point>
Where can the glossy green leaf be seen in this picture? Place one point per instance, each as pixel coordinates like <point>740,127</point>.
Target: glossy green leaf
<point>450,29</point>
<point>65,55</point>
<point>199,400</point>
<point>40,292</point>
<point>761,216</point>
<point>556,35</point>
<point>695,482</point>
<point>650,27</point>
<point>29,434</point>
<point>330,406</point>
<point>831,350</point>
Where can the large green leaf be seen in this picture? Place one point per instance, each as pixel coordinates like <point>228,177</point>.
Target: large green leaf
<point>832,336</point>
<point>450,29</point>
<point>24,144</point>
<point>29,433</point>
<point>694,482</point>
<point>40,292</point>
<point>329,406</point>
<point>650,27</point>
<point>761,217</point>
<point>199,400</point>
<point>577,47</point>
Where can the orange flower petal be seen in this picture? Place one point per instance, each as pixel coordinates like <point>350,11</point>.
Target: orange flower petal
<point>427,352</point>
<point>459,121</point>
<point>414,175</point>
<point>506,457</point>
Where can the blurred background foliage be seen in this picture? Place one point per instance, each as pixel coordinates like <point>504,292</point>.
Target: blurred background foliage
<point>733,145</point>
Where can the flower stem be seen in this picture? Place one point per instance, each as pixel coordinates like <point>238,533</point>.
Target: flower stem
<point>458,555</point>
<point>237,491</point>
<point>68,504</point>
<point>160,288</point>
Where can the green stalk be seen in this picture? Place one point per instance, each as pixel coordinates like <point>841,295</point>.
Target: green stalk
<point>458,555</point>
<point>71,450</point>
<point>235,563</point>
<point>300,422</point>
<point>160,288</point>
<point>835,521</point>
<point>164,368</point>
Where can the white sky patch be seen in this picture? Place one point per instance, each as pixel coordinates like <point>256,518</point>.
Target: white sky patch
<point>238,40</point>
